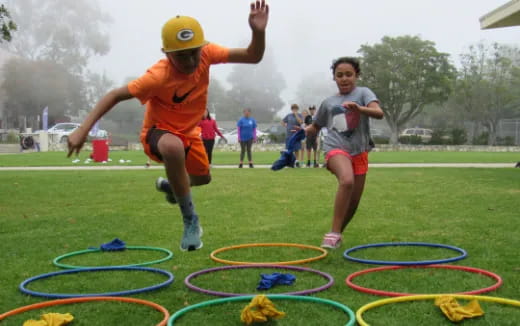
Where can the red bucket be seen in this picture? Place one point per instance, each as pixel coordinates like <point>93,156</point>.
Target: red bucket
<point>100,150</point>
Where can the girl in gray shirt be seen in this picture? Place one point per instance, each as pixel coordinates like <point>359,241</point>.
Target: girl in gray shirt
<point>346,117</point>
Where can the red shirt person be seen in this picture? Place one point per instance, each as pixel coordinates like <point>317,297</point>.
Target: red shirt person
<point>209,130</point>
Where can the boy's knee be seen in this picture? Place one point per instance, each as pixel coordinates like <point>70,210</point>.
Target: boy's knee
<point>200,180</point>
<point>170,145</point>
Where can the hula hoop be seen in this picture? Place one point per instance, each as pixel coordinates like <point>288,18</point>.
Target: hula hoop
<point>362,322</point>
<point>249,245</point>
<point>23,288</point>
<point>350,313</point>
<point>326,276</point>
<point>494,276</point>
<point>46,304</point>
<point>462,252</point>
<point>56,261</point>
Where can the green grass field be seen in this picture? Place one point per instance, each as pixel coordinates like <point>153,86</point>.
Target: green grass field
<point>47,214</point>
<point>139,158</point>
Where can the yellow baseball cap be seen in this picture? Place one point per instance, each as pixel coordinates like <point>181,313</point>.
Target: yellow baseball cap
<point>182,33</point>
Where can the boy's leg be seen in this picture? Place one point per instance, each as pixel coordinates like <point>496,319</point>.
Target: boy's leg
<point>172,152</point>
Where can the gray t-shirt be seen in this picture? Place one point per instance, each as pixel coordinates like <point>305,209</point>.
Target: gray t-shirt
<point>347,130</point>
<point>292,122</point>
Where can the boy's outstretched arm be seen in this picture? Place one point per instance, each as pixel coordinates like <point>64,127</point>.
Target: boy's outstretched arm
<point>79,136</point>
<point>258,17</point>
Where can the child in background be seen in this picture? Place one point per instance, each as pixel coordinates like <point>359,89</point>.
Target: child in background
<point>346,117</point>
<point>311,142</point>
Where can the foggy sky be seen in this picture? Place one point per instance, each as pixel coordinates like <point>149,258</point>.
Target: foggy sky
<point>304,36</point>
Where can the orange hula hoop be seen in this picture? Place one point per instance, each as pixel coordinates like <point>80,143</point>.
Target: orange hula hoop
<point>87,299</point>
<point>250,245</point>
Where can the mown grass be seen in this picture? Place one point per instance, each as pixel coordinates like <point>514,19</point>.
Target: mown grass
<point>229,157</point>
<point>47,214</point>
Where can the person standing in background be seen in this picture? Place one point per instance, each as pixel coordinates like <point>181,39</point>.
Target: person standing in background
<point>311,141</point>
<point>292,123</point>
<point>246,135</point>
<point>208,130</point>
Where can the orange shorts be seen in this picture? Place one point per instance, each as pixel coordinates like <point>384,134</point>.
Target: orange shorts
<point>196,158</point>
<point>359,162</point>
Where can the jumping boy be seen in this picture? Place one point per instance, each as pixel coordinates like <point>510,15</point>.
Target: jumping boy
<point>175,91</point>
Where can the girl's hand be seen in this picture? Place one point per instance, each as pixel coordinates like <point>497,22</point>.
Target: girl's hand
<point>258,16</point>
<point>353,106</point>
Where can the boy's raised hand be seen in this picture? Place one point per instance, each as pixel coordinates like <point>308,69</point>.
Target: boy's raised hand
<point>258,16</point>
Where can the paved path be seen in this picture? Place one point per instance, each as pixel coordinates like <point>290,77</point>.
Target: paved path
<point>260,166</point>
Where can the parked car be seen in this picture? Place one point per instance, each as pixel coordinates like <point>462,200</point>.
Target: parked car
<point>232,137</point>
<point>61,131</point>
<point>379,136</point>
<point>423,134</point>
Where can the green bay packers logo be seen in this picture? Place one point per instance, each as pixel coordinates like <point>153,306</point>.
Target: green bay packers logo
<point>185,35</point>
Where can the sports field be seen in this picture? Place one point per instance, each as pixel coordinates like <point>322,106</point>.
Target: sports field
<point>47,214</point>
<point>139,158</point>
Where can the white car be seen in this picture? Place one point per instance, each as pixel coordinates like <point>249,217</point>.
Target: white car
<point>61,131</point>
<point>232,137</point>
<point>424,134</point>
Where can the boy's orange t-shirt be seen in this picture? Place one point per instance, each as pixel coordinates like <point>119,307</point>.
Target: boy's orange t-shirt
<point>176,101</point>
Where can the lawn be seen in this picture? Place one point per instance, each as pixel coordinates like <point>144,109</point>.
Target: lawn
<point>219,157</point>
<point>47,214</point>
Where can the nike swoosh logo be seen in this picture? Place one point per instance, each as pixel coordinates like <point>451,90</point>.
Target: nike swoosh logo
<point>180,99</point>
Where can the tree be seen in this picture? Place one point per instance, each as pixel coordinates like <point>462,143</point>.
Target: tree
<point>65,32</point>
<point>487,85</point>
<point>220,103</point>
<point>6,24</point>
<point>406,73</point>
<point>33,85</point>
<point>314,88</point>
<point>97,85</point>
<point>258,87</point>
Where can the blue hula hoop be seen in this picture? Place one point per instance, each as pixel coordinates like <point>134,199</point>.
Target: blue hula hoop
<point>462,255</point>
<point>23,285</point>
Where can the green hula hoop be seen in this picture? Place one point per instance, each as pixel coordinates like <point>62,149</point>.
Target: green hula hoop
<point>350,313</point>
<point>56,261</point>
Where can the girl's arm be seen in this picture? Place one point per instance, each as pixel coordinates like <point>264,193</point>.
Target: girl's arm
<point>373,109</point>
<point>216,129</point>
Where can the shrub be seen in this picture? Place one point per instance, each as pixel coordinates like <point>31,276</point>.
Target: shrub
<point>481,139</point>
<point>380,140</point>
<point>506,141</point>
<point>439,137</point>
<point>459,136</point>
<point>411,140</point>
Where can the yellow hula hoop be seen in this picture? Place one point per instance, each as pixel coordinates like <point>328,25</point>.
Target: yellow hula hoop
<point>378,303</point>
<point>249,245</point>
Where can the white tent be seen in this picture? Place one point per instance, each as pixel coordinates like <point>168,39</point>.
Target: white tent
<point>504,16</point>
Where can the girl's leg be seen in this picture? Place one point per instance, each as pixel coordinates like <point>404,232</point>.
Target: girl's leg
<point>341,167</point>
<point>249,153</point>
<point>242,151</point>
<point>208,145</point>
<point>359,185</point>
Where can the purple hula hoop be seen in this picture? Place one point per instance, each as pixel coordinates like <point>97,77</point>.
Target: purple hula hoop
<point>326,276</point>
